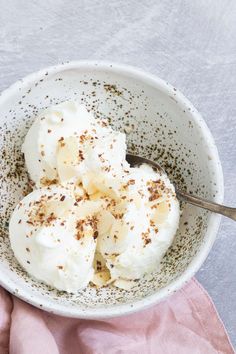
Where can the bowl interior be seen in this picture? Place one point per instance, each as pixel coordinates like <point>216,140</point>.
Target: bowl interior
<point>159,125</point>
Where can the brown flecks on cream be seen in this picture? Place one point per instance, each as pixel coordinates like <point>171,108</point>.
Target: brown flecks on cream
<point>38,214</point>
<point>146,237</point>
<point>48,182</point>
<point>83,224</point>
<point>81,155</point>
<point>118,216</point>
<point>98,266</point>
<point>152,223</point>
<point>95,234</point>
<point>129,183</point>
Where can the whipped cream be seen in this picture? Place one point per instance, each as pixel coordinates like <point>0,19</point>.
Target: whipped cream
<point>147,221</point>
<point>92,218</point>
<point>66,142</point>
<point>54,237</point>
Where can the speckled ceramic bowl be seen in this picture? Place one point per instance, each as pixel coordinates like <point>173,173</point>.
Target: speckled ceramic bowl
<point>161,124</point>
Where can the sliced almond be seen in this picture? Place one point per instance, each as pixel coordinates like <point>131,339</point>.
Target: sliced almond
<point>161,213</point>
<point>101,278</point>
<point>67,158</point>
<point>124,284</point>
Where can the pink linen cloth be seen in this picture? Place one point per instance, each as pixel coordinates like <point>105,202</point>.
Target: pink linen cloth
<point>186,323</point>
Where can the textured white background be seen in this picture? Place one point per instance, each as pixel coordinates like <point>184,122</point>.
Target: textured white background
<point>191,44</point>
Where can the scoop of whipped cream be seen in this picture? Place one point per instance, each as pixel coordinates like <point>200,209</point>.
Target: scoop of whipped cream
<point>144,223</point>
<point>53,234</point>
<point>66,142</point>
<point>91,218</point>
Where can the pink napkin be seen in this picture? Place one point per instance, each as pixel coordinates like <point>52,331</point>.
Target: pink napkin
<point>186,323</point>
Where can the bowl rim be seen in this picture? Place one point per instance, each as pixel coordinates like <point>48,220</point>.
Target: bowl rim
<point>214,219</point>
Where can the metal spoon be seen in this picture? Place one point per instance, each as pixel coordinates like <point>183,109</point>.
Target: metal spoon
<point>135,160</point>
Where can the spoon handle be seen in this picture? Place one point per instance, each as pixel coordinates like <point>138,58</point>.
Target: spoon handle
<point>205,204</point>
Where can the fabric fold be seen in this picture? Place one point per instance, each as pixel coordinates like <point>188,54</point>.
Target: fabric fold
<point>187,322</point>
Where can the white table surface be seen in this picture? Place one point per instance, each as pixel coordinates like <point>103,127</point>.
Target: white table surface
<point>191,44</point>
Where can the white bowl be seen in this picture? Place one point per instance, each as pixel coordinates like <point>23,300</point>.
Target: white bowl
<point>162,125</point>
